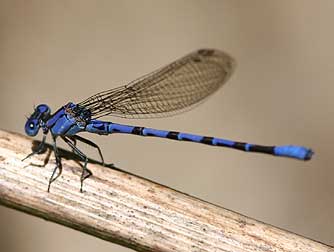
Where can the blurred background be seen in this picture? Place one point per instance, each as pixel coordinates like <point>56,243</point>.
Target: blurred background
<point>281,93</point>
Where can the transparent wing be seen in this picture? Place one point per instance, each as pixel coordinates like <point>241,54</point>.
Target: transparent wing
<point>166,91</point>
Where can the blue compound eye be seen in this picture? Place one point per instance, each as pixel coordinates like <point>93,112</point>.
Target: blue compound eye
<point>43,108</point>
<point>31,127</point>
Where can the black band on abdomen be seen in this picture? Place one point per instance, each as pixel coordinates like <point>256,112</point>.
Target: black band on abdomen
<point>137,131</point>
<point>173,135</point>
<point>262,149</point>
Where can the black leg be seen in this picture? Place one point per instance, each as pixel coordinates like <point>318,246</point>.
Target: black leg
<point>74,143</point>
<point>58,164</point>
<point>85,171</point>
<point>38,150</point>
<point>88,142</point>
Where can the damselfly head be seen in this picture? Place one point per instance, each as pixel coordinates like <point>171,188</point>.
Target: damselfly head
<point>41,113</point>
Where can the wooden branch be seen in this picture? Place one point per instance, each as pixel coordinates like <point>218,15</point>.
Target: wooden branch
<point>129,210</point>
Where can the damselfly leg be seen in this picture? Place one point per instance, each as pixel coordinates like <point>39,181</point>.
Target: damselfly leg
<point>58,164</point>
<point>85,171</point>
<point>76,138</point>
<point>38,150</point>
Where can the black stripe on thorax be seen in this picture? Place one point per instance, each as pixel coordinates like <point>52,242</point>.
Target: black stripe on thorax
<point>51,117</point>
<point>72,126</point>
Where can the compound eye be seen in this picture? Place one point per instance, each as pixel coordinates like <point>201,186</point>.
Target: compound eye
<point>43,108</point>
<point>31,127</point>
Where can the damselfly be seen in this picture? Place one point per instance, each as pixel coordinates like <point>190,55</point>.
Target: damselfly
<point>172,89</point>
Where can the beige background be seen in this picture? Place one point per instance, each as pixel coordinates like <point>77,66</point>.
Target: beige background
<point>282,92</point>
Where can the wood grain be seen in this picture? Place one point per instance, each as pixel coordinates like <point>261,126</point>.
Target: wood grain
<point>129,210</point>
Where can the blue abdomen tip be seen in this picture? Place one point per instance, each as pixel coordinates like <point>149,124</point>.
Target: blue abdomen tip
<point>293,151</point>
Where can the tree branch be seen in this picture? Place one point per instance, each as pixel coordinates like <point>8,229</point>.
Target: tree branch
<point>129,210</point>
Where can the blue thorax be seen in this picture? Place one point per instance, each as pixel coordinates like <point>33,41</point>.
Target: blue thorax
<point>68,120</point>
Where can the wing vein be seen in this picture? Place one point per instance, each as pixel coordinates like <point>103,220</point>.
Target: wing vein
<point>169,90</point>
